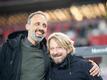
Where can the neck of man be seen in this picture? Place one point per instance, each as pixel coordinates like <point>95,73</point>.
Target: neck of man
<point>32,41</point>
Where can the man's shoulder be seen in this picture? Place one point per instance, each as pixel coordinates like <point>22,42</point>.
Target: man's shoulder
<point>80,61</point>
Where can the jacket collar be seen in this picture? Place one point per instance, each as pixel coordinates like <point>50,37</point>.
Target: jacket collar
<point>14,39</point>
<point>67,63</point>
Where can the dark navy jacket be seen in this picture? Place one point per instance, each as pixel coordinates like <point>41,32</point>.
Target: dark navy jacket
<point>73,68</point>
<point>11,57</point>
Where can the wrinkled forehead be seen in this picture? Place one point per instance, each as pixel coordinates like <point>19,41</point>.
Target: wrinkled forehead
<point>39,18</point>
<point>57,41</point>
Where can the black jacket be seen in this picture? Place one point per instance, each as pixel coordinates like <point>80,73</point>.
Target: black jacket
<point>11,56</point>
<point>73,68</point>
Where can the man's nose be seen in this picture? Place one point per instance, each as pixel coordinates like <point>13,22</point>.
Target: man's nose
<point>40,26</point>
<point>55,51</point>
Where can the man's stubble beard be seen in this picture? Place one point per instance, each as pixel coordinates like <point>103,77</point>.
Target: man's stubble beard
<point>37,38</point>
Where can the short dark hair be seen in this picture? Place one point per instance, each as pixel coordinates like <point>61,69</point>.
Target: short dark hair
<point>35,13</point>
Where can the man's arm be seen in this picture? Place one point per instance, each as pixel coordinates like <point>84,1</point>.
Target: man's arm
<point>95,70</point>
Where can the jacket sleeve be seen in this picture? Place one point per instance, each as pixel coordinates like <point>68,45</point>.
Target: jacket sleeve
<point>86,67</point>
<point>1,57</point>
<point>1,61</point>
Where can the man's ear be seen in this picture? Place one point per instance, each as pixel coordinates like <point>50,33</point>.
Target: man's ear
<point>27,26</point>
<point>68,51</point>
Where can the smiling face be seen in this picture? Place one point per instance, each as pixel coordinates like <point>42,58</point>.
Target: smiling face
<point>59,46</point>
<point>57,52</point>
<point>37,28</point>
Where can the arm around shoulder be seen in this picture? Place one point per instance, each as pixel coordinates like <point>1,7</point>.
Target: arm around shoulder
<point>87,66</point>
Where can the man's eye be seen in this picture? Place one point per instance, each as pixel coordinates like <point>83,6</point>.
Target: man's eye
<point>51,48</point>
<point>44,25</point>
<point>37,24</point>
<point>59,47</point>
